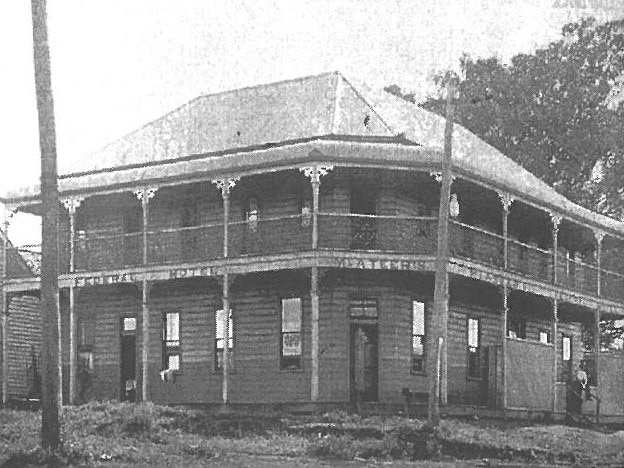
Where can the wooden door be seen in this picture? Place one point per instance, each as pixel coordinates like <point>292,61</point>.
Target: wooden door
<point>364,362</point>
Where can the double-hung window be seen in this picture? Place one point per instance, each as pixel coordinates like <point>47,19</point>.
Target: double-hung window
<point>474,347</point>
<point>544,336</point>
<point>220,339</point>
<point>418,337</point>
<point>290,340</point>
<point>171,341</point>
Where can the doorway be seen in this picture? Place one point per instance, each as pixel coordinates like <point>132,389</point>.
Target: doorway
<point>128,359</point>
<point>363,208</point>
<point>364,365</point>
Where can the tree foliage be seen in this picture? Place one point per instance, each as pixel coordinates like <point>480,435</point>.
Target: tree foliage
<point>556,112</point>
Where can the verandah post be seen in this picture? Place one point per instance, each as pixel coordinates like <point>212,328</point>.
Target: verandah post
<point>225,186</point>
<point>504,342</point>
<point>599,235</point>
<point>506,201</point>
<point>72,204</point>
<point>314,173</point>
<point>145,195</point>
<point>556,220</point>
<point>4,304</point>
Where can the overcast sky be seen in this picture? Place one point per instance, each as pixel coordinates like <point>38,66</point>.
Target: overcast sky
<point>117,64</point>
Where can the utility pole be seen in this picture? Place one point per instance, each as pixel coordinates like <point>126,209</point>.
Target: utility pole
<point>50,424</point>
<point>437,345</point>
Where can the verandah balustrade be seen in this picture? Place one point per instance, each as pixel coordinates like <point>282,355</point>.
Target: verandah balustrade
<point>414,235</point>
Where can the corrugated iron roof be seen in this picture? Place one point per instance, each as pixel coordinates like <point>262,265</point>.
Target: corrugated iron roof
<point>300,110</point>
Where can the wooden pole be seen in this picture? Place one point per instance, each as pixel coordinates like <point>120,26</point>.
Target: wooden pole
<point>439,328</point>
<point>599,236</point>
<point>50,424</point>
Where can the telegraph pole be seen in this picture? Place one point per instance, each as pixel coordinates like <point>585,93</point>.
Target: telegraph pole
<point>50,424</point>
<point>437,345</point>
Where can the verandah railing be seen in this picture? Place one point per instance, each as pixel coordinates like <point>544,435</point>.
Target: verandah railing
<point>336,231</point>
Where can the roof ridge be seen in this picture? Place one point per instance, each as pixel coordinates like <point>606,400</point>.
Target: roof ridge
<point>365,101</point>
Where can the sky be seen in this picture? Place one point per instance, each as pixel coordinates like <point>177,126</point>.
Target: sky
<point>118,64</point>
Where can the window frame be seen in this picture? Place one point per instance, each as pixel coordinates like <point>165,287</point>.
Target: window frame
<point>548,334</point>
<point>218,352</point>
<point>282,333</point>
<point>252,216</point>
<point>477,350</point>
<point>517,326</point>
<point>171,347</point>
<point>567,338</point>
<point>422,358</point>
<point>363,303</point>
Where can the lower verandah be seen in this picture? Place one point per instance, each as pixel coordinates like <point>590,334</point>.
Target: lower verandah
<point>370,330</point>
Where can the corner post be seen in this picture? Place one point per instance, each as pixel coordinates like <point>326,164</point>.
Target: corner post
<point>71,205</point>
<point>599,235</point>
<point>145,195</point>
<point>315,173</point>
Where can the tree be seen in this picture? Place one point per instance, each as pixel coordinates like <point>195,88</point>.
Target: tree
<point>556,112</point>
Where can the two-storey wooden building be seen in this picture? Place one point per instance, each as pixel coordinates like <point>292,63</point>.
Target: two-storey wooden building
<point>308,209</point>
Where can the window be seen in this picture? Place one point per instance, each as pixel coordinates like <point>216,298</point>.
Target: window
<point>306,213</point>
<point>251,214</point>
<point>171,341</point>
<point>365,308</point>
<point>290,344</point>
<point>418,336</point>
<point>219,339</point>
<point>86,343</point>
<point>566,348</point>
<point>544,336</point>
<point>474,348</point>
<point>516,328</point>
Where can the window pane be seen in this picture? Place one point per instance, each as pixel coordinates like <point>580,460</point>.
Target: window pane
<point>173,362</point>
<point>364,308</point>
<point>544,337</point>
<point>473,333</point>
<point>219,325</point>
<point>173,327</point>
<point>418,324</point>
<point>291,314</point>
<point>291,344</point>
<point>129,324</point>
<point>417,346</point>
<point>566,348</point>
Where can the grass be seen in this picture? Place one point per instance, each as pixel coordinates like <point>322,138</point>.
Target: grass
<point>123,433</point>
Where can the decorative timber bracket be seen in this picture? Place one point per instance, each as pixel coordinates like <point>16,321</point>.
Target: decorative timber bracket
<point>226,185</point>
<point>72,204</point>
<point>506,200</point>
<point>316,173</point>
<point>437,176</point>
<point>145,194</point>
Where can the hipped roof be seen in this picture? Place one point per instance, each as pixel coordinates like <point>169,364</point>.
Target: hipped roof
<point>199,134</point>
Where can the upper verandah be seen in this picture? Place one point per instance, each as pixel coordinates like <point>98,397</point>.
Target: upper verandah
<point>321,118</point>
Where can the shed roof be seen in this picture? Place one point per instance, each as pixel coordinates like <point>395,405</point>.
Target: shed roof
<point>298,110</point>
